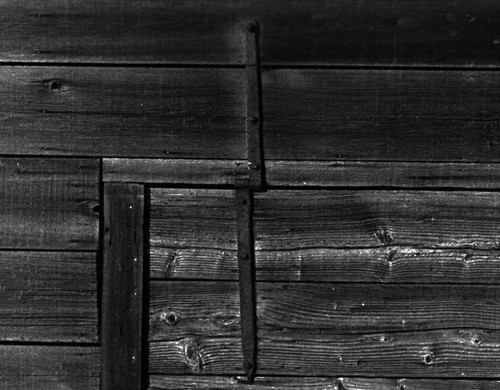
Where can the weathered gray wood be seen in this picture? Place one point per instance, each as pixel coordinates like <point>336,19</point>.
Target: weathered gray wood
<point>174,171</point>
<point>48,296</point>
<point>49,367</point>
<point>387,265</point>
<point>184,382</point>
<point>306,173</point>
<point>208,309</point>
<point>193,218</point>
<point>126,112</point>
<point>293,32</point>
<point>390,174</point>
<point>387,115</point>
<point>299,219</point>
<point>122,286</point>
<point>436,354</point>
<point>48,203</point>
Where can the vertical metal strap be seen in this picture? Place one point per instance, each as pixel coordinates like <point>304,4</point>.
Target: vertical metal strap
<point>253,107</point>
<point>246,273</point>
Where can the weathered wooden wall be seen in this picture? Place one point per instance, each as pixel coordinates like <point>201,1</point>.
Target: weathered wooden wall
<point>377,238</point>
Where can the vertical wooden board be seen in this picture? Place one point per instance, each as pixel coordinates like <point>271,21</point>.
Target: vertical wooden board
<point>300,219</point>
<point>48,297</point>
<point>49,203</point>
<point>384,115</point>
<point>122,111</point>
<point>49,367</point>
<point>122,302</point>
<point>193,218</point>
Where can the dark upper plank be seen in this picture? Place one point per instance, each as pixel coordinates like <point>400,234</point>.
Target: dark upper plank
<point>383,174</point>
<point>134,112</point>
<point>185,382</point>
<point>288,220</point>
<point>179,309</point>
<point>48,296</point>
<point>49,367</point>
<point>49,203</point>
<point>387,265</point>
<point>433,354</point>
<point>382,32</point>
<point>193,218</point>
<point>384,115</point>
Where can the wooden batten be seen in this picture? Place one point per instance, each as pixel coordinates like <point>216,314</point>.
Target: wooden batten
<point>122,304</point>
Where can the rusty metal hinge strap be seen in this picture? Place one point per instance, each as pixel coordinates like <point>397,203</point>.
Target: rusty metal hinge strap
<point>253,107</point>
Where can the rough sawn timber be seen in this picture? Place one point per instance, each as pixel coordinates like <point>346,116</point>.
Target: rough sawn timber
<point>451,353</point>
<point>48,297</point>
<point>319,219</point>
<point>122,111</point>
<point>185,382</point>
<point>49,203</point>
<point>384,115</point>
<point>207,309</point>
<point>406,32</point>
<point>49,367</point>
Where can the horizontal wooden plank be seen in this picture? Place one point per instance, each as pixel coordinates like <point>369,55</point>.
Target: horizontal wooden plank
<point>49,203</point>
<point>49,367</point>
<point>434,354</point>
<point>174,171</point>
<point>293,32</point>
<point>384,115</point>
<point>386,265</point>
<point>184,382</point>
<point>306,173</point>
<point>48,297</point>
<point>383,174</point>
<point>122,112</point>
<point>298,219</point>
<point>193,218</point>
<point>180,309</point>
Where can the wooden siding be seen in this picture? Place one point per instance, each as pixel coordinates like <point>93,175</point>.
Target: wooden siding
<point>314,383</point>
<point>127,112</point>
<point>48,296</point>
<point>386,115</point>
<point>49,367</point>
<point>463,33</point>
<point>49,203</point>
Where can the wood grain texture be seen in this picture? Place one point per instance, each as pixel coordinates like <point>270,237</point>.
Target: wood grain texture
<point>49,203</point>
<point>290,220</point>
<point>382,174</point>
<point>122,302</point>
<point>200,31</point>
<point>185,382</point>
<point>48,296</point>
<point>49,367</point>
<point>174,171</point>
<point>193,218</point>
<point>434,354</point>
<point>208,309</point>
<point>126,112</point>
<point>385,115</point>
<point>387,265</point>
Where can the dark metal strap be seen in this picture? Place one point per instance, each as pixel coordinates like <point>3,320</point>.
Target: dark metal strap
<point>253,107</point>
<point>247,283</point>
